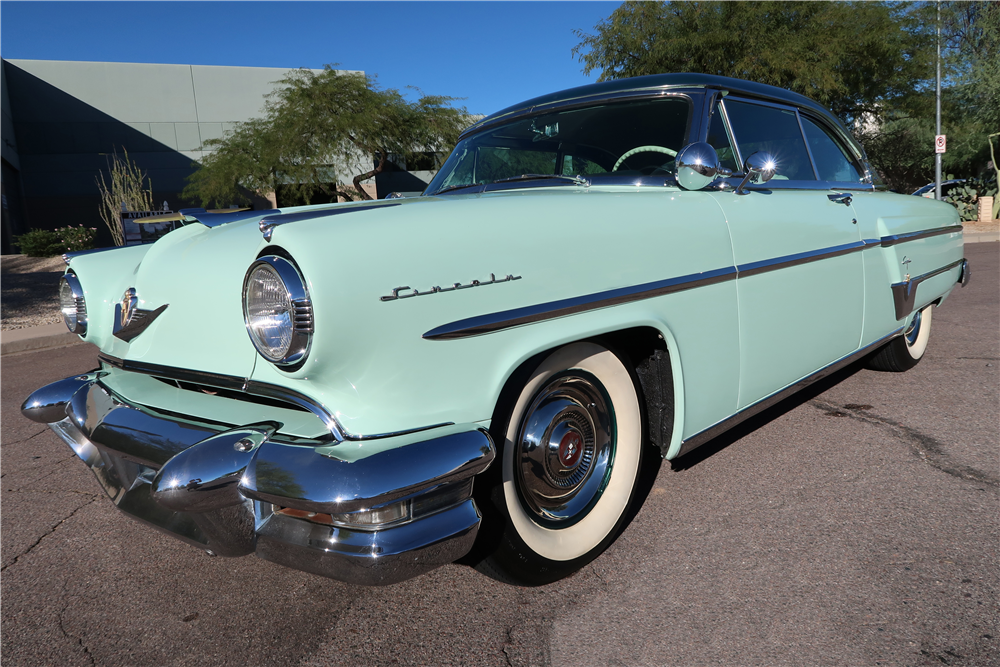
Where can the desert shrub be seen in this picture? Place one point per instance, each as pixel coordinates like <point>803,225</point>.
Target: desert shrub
<point>47,243</point>
<point>73,239</point>
<point>965,196</point>
<point>38,243</point>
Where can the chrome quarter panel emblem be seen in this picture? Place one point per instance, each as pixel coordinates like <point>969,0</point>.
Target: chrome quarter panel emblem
<point>128,304</point>
<point>405,292</point>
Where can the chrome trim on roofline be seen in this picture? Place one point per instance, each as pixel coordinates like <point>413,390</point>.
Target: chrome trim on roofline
<point>587,100</point>
<point>721,427</point>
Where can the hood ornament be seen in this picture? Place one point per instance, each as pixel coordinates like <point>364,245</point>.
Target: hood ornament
<point>130,320</point>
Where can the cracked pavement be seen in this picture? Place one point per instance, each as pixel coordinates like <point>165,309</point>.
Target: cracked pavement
<point>854,524</point>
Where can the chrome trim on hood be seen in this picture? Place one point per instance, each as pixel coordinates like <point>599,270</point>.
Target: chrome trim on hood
<point>268,223</point>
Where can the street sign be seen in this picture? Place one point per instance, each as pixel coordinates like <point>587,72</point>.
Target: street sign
<point>939,143</point>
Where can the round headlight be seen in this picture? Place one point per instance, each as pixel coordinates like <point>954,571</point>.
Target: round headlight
<point>277,310</point>
<point>72,304</point>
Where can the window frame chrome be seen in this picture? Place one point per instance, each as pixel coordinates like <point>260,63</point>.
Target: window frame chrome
<point>695,121</point>
<point>859,160</point>
<point>729,130</point>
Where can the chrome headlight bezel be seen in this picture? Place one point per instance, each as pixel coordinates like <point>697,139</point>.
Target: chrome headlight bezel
<point>301,313</point>
<point>77,322</point>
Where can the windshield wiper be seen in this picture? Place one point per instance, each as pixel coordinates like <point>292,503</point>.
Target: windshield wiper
<point>578,180</point>
<point>456,187</point>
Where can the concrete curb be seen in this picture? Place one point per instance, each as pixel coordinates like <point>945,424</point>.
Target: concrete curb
<point>36,338</point>
<point>981,237</point>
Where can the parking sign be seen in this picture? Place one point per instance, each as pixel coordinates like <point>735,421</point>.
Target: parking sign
<point>939,143</point>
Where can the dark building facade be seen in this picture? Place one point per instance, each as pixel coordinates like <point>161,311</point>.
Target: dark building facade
<point>63,121</point>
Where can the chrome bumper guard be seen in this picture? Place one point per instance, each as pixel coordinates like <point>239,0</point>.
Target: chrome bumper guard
<point>376,520</point>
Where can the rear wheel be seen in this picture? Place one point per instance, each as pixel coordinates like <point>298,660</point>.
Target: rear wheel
<point>571,453</point>
<point>903,352</point>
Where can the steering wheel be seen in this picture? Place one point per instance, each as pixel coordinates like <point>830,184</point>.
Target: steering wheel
<point>643,149</point>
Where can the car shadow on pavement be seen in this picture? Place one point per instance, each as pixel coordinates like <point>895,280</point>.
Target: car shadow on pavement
<point>716,445</point>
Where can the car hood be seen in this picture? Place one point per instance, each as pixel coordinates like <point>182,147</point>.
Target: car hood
<point>195,274</point>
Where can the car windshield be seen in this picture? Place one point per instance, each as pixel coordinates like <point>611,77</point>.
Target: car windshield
<point>624,138</point>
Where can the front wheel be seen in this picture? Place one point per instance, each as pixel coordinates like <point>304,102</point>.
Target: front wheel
<point>903,352</point>
<point>571,454</point>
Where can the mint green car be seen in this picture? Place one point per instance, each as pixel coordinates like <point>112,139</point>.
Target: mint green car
<point>595,278</point>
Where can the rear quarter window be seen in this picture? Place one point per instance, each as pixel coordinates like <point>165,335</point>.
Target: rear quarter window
<point>833,162</point>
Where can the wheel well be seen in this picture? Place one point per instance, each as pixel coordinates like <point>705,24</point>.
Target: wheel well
<point>645,348</point>
<point>645,352</point>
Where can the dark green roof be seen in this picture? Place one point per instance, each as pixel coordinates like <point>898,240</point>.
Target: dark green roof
<point>654,81</point>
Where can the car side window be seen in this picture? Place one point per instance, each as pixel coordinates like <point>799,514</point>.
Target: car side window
<point>833,163</point>
<point>718,138</point>
<point>771,130</point>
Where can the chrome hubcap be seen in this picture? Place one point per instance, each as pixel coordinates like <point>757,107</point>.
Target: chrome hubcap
<point>565,449</point>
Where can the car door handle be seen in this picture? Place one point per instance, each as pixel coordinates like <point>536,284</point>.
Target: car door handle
<point>844,198</point>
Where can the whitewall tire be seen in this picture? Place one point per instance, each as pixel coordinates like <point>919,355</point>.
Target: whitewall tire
<point>571,454</point>
<point>903,352</point>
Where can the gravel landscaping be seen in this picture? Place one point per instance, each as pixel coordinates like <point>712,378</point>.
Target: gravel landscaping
<point>29,291</point>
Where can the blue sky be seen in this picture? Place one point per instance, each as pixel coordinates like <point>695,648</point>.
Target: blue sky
<point>494,54</point>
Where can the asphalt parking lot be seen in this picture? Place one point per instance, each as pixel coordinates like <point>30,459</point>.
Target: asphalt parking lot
<point>856,524</point>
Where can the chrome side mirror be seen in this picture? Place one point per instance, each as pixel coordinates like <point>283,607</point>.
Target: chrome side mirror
<point>757,168</point>
<point>698,166</point>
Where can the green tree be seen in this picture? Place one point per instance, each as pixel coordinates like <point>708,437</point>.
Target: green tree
<point>899,142</point>
<point>974,34</point>
<point>853,57</point>
<point>319,128</point>
<point>871,63</point>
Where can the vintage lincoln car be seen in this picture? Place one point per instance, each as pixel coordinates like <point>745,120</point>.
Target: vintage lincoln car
<point>370,390</point>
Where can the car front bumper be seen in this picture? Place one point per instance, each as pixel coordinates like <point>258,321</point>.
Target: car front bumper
<point>236,491</point>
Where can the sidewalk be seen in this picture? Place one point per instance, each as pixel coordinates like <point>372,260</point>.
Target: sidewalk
<point>36,338</point>
<point>981,237</point>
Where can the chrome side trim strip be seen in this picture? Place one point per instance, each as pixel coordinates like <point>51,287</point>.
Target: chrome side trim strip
<point>915,236</point>
<point>268,223</point>
<point>753,268</point>
<point>904,294</point>
<point>483,324</point>
<point>761,405</point>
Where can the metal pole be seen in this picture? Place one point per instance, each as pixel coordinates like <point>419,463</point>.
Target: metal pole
<point>937,156</point>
